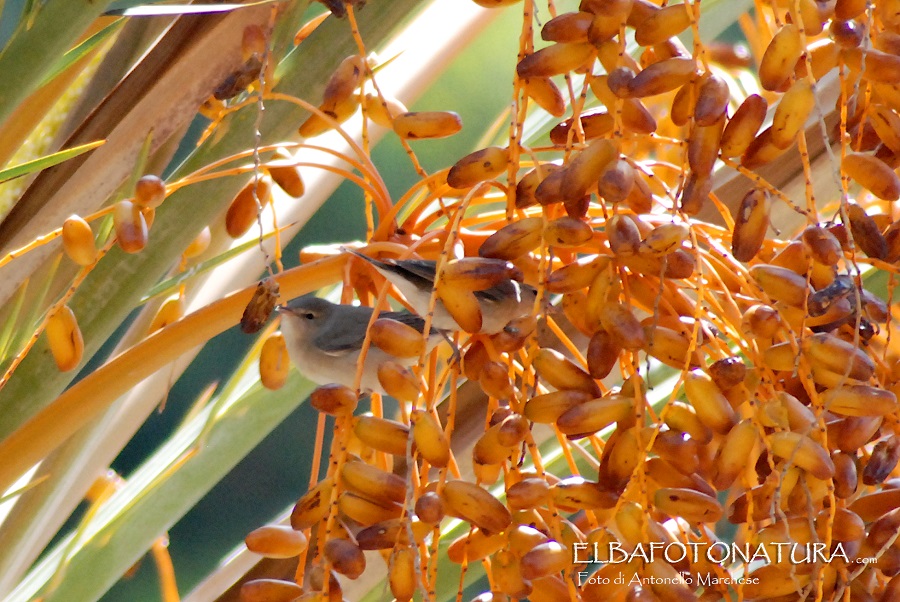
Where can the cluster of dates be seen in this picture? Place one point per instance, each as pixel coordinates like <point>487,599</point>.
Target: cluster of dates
<point>782,419</point>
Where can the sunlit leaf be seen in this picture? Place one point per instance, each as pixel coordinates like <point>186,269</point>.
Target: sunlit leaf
<point>170,10</point>
<point>29,167</point>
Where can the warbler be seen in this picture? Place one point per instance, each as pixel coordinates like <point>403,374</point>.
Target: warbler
<point>324,340</point>
<point>414,278</point>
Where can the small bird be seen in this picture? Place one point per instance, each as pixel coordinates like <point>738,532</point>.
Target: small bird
<point>324,340</point>
<point>414,278</point>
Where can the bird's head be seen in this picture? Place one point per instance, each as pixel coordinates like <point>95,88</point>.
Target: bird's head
<point>306,314</point>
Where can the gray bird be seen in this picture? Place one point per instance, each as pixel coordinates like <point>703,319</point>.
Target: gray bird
<point>324,340</point>
<point>414,278</point>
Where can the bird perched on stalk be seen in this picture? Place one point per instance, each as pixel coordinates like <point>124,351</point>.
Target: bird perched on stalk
<point>324,340</point>
<point>499,304</point>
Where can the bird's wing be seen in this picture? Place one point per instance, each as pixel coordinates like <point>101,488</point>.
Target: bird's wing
<point>348,336</point>
<point>341,338</point>
<point>421,269</point>
<point>419,272</point>
<point>505,290</point>
<point>407,318</point>
<point>498,292</point>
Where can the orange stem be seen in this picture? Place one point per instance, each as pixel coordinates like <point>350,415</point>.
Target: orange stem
<point>166,571</point>
<point>86,399</point>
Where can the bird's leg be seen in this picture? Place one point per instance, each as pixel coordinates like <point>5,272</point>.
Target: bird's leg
<point>456,358</point>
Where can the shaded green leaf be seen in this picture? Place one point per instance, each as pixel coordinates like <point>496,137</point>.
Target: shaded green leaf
<point>83,49</point>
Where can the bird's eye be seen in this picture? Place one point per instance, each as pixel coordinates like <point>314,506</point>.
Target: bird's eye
<point>309,315</point>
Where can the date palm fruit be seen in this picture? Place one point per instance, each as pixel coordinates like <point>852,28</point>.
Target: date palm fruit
<point>602,354</point>
<point>750,225</point>
<point>64,339</point>
<point>792,112</point>
<point>882,462</point>
<point>684,103</point>
<point>78,241</point>
<point>635,116</point>
<point>258,590</point>
<point>430,508</point>
<point>873,65</point>
<point>688,504</point>
<point>712,101</point>
<point>554,60</point>
<point>383,110</point>
<point>514,240</point>
<point>616,181</point>
<point>546,94</point>
<point>345,557</point>
<point>384,435</point>
<point>528,493</point>
<point>712,407</point>
<point>285,174</point>
<point>506,570</point>
<point>886,124</point>
<point>545,559</point>
<point>339,111</point>
<point>789,380</point>
<point>662,25</point>
<point>625,329</point>
<point>313,506</point>
<point>822,245</point>
<point>567,231</point>
<point>276,541</point>
<point>396,531</point>
<point>803,452</point>
<point>567,27</point>
<point>488,449</point>
<point>373,483</point>
<point>548,407</point>
<point>585,168</point>
<point>592,416</point>
<point>365,511</point>
<point>664,76</point>
<point>703,146</point>
<point>130,227</point>
<point>578,493</point>
<point>334,399</point>
<point>170,311</point>
<point>781,55</point>
<point>860,400</point>
<point>866,233</point>
<point>562,374</point>
<point>244,209</point>
<point>345,79</point>
<point>781,284</point>
<point>739,450</point>
<point>743,126</point>
<point>199,244</point>
<point>526,189</point>
<point>431,442</point>
<point>477,167</point>
<point>398,381</point>
<point>402,573</point>
<point>476,505</point>
<point>428,124</point>
<point>149,191</point>
<point>594,123</point>
<point>474,546</point>
<point>396,338</point>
